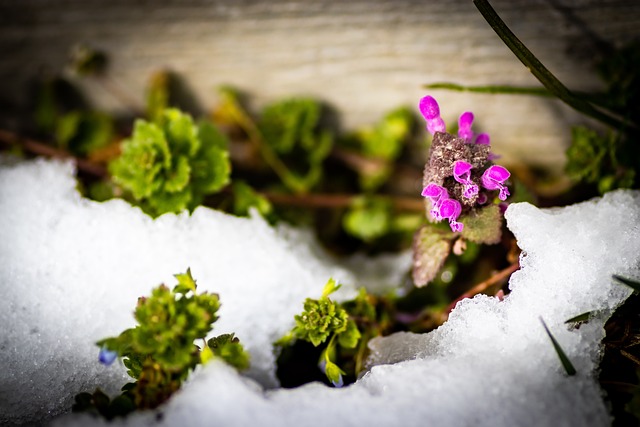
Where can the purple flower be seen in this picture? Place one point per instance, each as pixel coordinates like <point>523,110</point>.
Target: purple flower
<point>464,126</point>
<point>106,356</point>
<point>483,139</point>
<point>450,209</point>
<point>462,174</point>
<point>493,179</point>
<point>437,195</point>
<point>431,112</point>
<point>436,125</point>
<point>429,108</point>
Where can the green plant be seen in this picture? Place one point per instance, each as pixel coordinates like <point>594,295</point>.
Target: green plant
<point>160,351</point>
<point>342,330</point>
<point>172,165</point>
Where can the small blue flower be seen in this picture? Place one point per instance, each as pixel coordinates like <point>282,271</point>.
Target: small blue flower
<point>107,356</point>
<point>339,383</point>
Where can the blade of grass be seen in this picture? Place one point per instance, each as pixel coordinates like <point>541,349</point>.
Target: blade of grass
<point>548,80</point>
<point>492,89</point>
<point>566,363</point>
<point>633,284</point>
<point>581,317</point>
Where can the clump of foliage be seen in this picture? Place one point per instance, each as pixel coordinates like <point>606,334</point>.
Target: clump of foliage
<point>291,151</point>
<point>342,330</point>
<point>160,351</point>
<point>294,143</point>
<point>611,160</point>
<point>171,165</point>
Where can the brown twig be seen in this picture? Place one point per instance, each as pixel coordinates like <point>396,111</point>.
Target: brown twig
<point>9,139</point>
<point>358,162</point>
<point>483,286</point>
<point>412,204</point>
<point>315,201</point>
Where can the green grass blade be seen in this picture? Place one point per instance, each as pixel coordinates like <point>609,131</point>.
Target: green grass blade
<point>581,317</point>
<point>566,363</point>
<point>491,89</point>
<point>633,284</point>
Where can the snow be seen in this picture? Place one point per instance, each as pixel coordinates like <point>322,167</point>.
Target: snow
<point>71,271</point>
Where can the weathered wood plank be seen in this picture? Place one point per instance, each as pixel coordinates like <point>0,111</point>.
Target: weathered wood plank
<point>362,57</point>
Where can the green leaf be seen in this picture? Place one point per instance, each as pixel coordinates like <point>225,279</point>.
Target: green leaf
<point>185,283</point>
<point>581,318</point>
<point>333,372</point>
<point>286,124</point>
<point>292,143</point>
<point>387,138</point>
<point>181,132</point>
<point>206,355</point>
<point>585,155</point>
<point>211,169</point>
<point>483,225</point>
<point>566,363</point>
<point>245,198</point>
<point>211,136</point>
<point>350,337</point>
<point>229,349</point>
<point>368,218</point>
<point>178,178</point>
<point>121,406</point>
<point>633,284</point>
<point>431,248</point>
<point>330,287</point>
<point>83,132</point>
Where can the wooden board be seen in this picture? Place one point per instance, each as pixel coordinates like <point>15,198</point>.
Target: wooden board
<point>361,57</point>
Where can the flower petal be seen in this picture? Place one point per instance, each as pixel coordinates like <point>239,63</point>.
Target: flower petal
<point>461,171</point>
<point>106,356</point>
<point>436,125</point>
<point>483,139</point>
<point>464,125</point>
<point>450,208</point>
<point>493,177</point>
<point>433,191</point>
<point>429,108</point>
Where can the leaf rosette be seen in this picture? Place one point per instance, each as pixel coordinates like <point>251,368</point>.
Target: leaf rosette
<point>171,165</point>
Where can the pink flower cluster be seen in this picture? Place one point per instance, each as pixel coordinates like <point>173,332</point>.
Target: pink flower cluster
<point>462,158</point>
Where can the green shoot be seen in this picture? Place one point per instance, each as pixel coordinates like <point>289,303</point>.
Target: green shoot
<point>566,363</point>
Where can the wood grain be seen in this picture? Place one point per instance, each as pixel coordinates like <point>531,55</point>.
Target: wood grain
<point>361,57</point>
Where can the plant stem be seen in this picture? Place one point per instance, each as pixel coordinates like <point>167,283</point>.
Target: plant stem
<point>411,204</point>
<point>545,77</point>
<point>318,200</point>
<point>9,138</point>
<point>483,286</point>
<point>255,137</point>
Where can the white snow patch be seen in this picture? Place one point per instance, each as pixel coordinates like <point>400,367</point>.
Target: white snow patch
<point>72,269</point>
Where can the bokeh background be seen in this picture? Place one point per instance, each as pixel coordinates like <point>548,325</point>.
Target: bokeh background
<point>360,57</point>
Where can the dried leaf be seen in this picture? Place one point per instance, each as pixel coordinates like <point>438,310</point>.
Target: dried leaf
<point>430,249</point>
